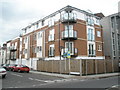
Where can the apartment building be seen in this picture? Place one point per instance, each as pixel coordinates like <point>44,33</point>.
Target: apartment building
<point>66,30</point>
<point>12,51</point>
<point>111,36</point>
<point>3,54</point>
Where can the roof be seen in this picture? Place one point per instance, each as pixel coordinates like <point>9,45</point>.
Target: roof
<point>59,11</point>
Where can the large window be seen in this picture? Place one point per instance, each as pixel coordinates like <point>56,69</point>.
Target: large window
<point>112,22</point>
<point>39,35</point>
<point>91,50</point>
<point>98,34</point>
<point>69,47</point>
<point>51,35</point>
<point>90,21</point>
<point>90,34</point>
<point>51,50</point>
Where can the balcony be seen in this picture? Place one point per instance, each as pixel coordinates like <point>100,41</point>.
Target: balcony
<point>91,53</point>
<point>13,55</point>
<point>13,49</point>
<point>71,18</point>
<point>71,35</point>
<point>73,52</point>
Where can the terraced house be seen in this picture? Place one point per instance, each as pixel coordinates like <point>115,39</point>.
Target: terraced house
<point>66,30</point>
<point>12,51</point>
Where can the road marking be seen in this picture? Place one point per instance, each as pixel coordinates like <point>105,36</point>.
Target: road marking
<point>31,78</point>
<point>40,80</point>
<point>115,86</point>
<point>17,75</point>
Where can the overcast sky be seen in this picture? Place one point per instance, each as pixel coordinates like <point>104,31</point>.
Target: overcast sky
<point>17,14</point>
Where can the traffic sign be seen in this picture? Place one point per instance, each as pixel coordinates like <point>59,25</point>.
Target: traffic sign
<point>68,54</point>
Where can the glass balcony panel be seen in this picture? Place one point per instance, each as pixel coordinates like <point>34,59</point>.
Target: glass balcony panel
<point>72,34</point>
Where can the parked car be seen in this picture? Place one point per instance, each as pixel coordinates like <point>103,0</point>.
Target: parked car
<point>2,72</point>
<point>1,64</point>
<point>21,68</point>
<point>11,67</point>
<point>5,66</point>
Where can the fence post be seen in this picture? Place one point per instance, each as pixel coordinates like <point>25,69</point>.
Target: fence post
<point>69,66</point>
<point>112,66</point>
<point>80,67</point>
<point>96,67</point>
<point>65,64</point>
<point>104,65</point>
<point>86,67</point>
<point>52,66</point>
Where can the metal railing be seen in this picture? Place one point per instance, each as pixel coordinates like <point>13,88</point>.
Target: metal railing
<point>72,17</point>
<point>73,51</point>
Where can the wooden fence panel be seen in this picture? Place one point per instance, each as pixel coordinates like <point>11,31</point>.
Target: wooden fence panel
<point>108,66</point>
<point>49,65</point>
<point>100,66</point>
<point>116,65</point>
<point>75,65</point>
<point>56,66</point>
<point>63,66</point>
<point>83,67</point>
<point>90,67</point>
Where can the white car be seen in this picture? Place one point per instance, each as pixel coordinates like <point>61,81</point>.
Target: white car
<point>2,72</point>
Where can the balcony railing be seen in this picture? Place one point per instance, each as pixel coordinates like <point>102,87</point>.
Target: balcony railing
<point>91,53</point>
<point>73,52</point>
<point>71,35</point>
<point>72,18</point>
<point>12,48</point>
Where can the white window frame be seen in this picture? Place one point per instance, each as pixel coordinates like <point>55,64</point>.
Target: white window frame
<point>53,48</point>
<point>51,35</point>
<point>66,49</point>
<point>98,33</point>
<point>99,48</point>
<point>92,36</point>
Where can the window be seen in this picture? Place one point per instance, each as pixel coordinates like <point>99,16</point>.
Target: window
<point>90,34</point>
<point>24,51</point>
<point>70,27</point>
<point>34,49</point>
<point>70,46</point>
<point>39,35</point>
<point>91,50</point>
<point>90,21</point>
<point>37,25</point>
<point>25,30</point>
<point>97,21</point>
<point>98,34</point>
<point>112,22</point>
<point>99,48</point>
<point>34,36</point>
<point>25,40</point>
<point>50,23</point>
<point>51,35</point>
<point>71,31</point>
<point>39,48</point>
<point>42,23</point>
<point>51,50</point>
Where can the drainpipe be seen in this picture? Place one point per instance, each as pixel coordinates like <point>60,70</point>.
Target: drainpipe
<point>59,43</point>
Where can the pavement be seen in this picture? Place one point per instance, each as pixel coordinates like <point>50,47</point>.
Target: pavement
<point>95,76</point>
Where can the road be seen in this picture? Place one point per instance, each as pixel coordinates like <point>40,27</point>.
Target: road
<point>26,80</point>
<point>32,80</point>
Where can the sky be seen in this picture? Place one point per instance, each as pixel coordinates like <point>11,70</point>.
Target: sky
<point>17,14</point>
